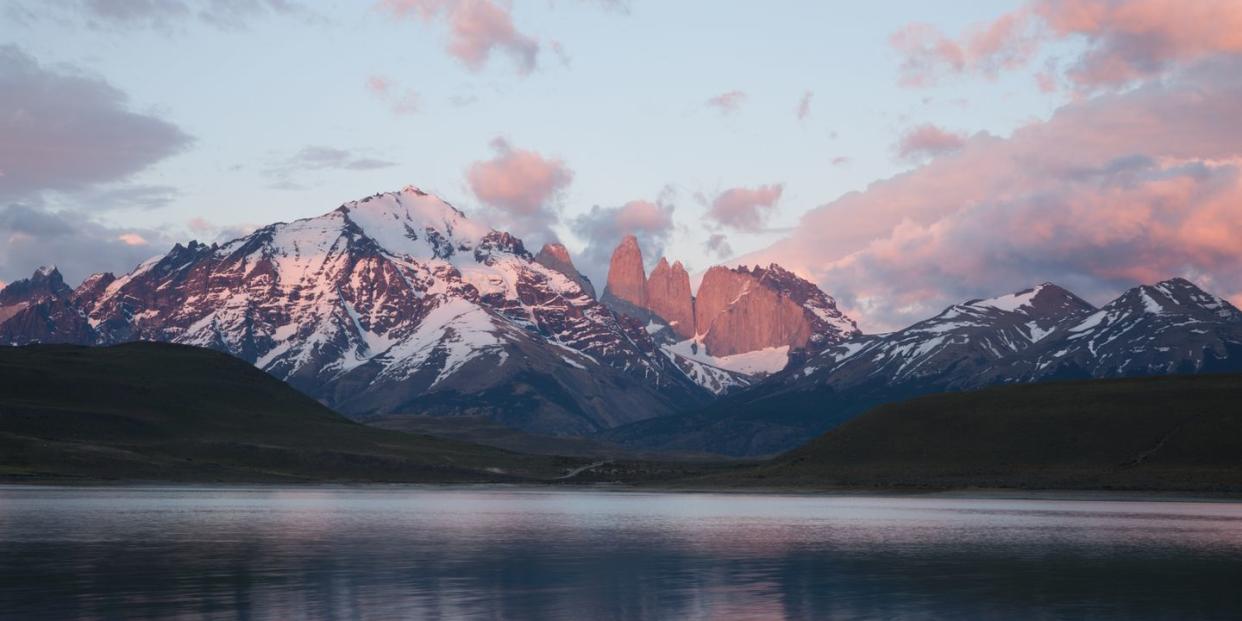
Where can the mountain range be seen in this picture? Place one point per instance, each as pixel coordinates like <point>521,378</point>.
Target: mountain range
<point>395,303</point>
<point>399,305</point>
<point>1040,334</point>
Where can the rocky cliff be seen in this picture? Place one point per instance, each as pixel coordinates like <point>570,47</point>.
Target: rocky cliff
<point>669,297</point>
<point>627,279</point>
<point>555,256</point>
<point>737,310</point>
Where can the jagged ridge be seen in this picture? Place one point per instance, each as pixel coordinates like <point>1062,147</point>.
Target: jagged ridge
<point>397,303</point>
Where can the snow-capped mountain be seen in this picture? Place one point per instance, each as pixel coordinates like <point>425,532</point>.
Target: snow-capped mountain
<point>398,304</point>
<point>1039,334</point>
<point>952,348</point>
<point>395,304</point>
<point>1170,327</point>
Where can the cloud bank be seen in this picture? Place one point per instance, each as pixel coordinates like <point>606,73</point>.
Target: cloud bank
<point>1122,188</point>
<point>928,141</point>
<point>477,29</point>
<point>72,138</point>
<point>745,209</point>
<point>1122,41</point>
<point>65,131</point>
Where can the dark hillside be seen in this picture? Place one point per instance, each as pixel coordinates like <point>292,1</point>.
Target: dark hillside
<point>153,411</point>
<point>1175,432</point>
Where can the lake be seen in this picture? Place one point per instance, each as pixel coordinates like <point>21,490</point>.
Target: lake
<point>497,553</point>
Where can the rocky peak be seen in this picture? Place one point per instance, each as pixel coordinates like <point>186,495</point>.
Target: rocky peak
<point>1042,299</point>
<point>40,309</point>
<point>46,282</point>
<point>409,223</point>
<point>737,310</point>
<point>1037,311</point>
<point>718,289</point>
<point>627,281</point>
<point>1180,296</point>
<point>94,285</point>
<point>1171,326</point>
<point>742,309</point>
<point>556,251</point>
<point>556,257</point>
<point>499,242</point>
<point>668,296</point>
<point>741,315</point>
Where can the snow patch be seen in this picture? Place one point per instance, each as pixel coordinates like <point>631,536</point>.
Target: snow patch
<point>1011,302</point>
<point>765,361</point>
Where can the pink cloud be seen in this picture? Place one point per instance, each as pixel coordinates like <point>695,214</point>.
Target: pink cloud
<point>925,54</point>
<point>521,187</point>
<point>1113,190</point>
<point>1129,40</point>
<point>642,217</point>
<point>200,226</point>
<point>927,141</point>
<point>477,28</point>
<point>518,180</point>
<point>1046,82</point>
<point>384,89</point>
<point>804,105</point>
<point>1125,41</point>
<point>745,209</point>
<point>1006,43</point>
<point>727,103</point>
<point>378,85</point>
<point>132,239</point>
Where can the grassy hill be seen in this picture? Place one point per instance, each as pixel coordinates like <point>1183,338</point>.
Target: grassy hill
<point>1157,433</point>
<point>154,411</point>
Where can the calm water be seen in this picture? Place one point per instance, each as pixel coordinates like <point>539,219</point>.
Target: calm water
<point>403,552</point>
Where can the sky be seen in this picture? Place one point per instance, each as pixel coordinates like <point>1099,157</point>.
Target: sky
<point>903,155</point>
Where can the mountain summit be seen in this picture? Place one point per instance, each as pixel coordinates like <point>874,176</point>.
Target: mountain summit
<point>394,304</point>
<point>1038,334</point>
<point>626,290</point>
<point>744,320</point>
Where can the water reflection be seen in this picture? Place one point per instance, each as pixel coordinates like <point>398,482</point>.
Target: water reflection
<point>324,553</point>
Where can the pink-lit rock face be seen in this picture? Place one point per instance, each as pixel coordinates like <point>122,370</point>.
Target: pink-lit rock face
<point>740,310</point>
<point>669,297</point>
<point>626,279</point>
<point>737,310</point>
<point>556,251</point>
<point>719,287</point>
<point>757,320</point>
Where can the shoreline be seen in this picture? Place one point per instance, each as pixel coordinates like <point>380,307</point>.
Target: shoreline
<point>1074,495</point>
